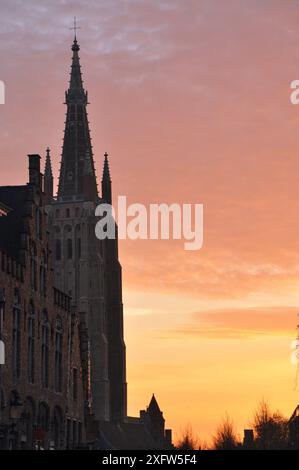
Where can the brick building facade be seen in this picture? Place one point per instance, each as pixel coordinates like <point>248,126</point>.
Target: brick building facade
<point>41,400</point>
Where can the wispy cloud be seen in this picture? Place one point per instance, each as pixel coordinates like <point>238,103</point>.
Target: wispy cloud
<point>244,323</point>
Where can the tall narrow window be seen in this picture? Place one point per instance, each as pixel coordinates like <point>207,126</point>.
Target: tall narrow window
<point>37,222</point>
<point>31,343</point>
<point>79,247</point>
<point>16,342</point>
<point>57,427</point>
<point>75,434</point>
<point>43,417</point>
<point>42,280</point>
<point>2,311</point>
<point>75,384</point>
<point>79,432</point>
<point>43,275</point>
<point>45,350</point>
<point>69,248</point>
<point>33,275</point>
<point>58,250</point>
<point>58,356</point>
<point>68,433</point>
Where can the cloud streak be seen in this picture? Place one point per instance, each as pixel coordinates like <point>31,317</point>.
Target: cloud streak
<point>247,323</point>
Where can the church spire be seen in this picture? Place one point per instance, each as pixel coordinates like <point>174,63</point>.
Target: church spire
<point>48,178</point>
<point>77,149</point>
<point>106,181</point>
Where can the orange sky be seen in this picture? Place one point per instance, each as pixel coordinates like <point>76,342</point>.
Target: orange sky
<point>191,99</point>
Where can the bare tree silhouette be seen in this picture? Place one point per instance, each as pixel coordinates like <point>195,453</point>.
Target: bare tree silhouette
<point>225,437</point>
<point>271,429</point>
<point>188,441</point>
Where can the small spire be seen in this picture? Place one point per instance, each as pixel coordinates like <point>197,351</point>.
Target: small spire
<point>48,165</point>
<point>48,178</point>
<point>106,170</point>
<point>106,181</point>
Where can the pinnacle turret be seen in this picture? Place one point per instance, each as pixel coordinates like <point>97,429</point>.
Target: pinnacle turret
<point>48,178</point>
<point>106,181</point>
<point>48,165</point>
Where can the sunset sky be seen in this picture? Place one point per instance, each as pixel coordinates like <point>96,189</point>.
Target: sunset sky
<point>191,98</point>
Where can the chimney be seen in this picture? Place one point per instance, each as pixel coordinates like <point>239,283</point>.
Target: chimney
<point>35,176</point>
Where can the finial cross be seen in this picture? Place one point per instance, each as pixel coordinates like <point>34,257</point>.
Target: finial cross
<point>75,27</point>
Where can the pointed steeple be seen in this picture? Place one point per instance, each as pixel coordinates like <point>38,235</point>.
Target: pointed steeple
<point>106,181</point>
<point>153,407</point>
<point>48,178</point>
<point>76,82</point>
<point>77,149</point>
<point>48,165</point>
<point>156,420</point>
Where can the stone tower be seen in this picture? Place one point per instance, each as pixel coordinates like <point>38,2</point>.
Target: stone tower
<point>84,267</point>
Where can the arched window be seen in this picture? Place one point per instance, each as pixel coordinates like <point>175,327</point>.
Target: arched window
<point>58,356</point>
<point>31,342</point>
<point>16,336</point>
<point>45,350</point>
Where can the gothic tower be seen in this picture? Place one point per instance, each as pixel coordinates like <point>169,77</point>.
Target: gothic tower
<point>84,267</point>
